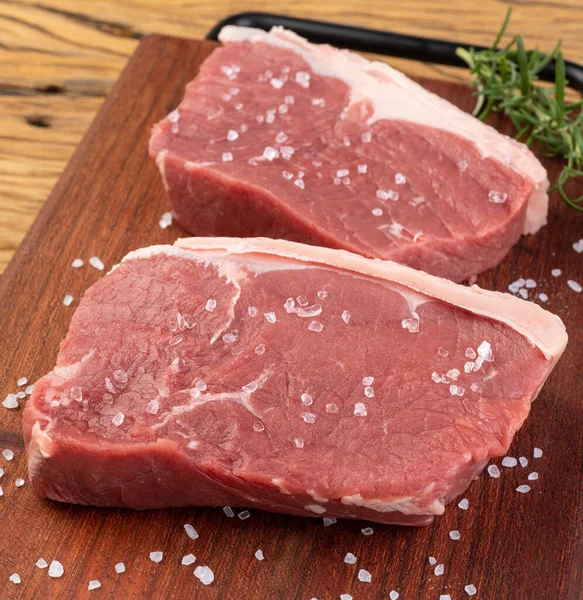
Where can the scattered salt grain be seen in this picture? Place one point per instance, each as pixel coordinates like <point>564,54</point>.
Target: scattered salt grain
<point>470,353</point>
<point>436,377</point>
<point>204,574</point>
<point>497,197</point>
<point>382,195</point>
<point>232,135</point>
<point>366,136</point>
<point>260,349</point>
<point>523,293</point>
<point>332,408</point>
<point>190,531</point>
<point>270,153</point>
<point>229,338</point>
<point>29,389</point>
<point>1,491</point>
<point>523,461</point>
<point>315,326</point>
<point>1,472</point>
<point>543,297</point>
<point>287,175</point>
<point>444,597</point>
<point>298,442</point>
<point>411,325</point>
<point>8,454</point>
<point>439,570</point>
<point>118,419</point>
<point>308,417</point>
<point>432,560</point>
<point>362,168</point>
<point>454,535</point>
<point>120,568</point>
<point>11,401</point>
<point>228,512</point>
<point>19,482</point>
<point>345,316</point>
<point>188,559</point>
<point>453,389</point>
<point>349,559</point>
<point>364,576</point>
<point>22,381</point>
<point>576,287</point>
<point>509,461</point>
<point>165,220</point>
<point>578,246</point>
<point>468,367</point>
<point>68,300</point>
<point>471,590</point>
<point>307,400</point>
<point>494,471</point>
<point>96,263</point>
<point>322,294</point>
<point>211,304</point>
<point>453,374</point>
<point>523,489</point>
<point>345,597</point>
<point>302,301</point>
<point>300,183</point>
<point>244,515</point>
<point>367,380</point>
<point>360,409</point>
<point>464,504</point>
<point>156,556</point>
<point>20,395</point>
<point>259,555</point>
<point>41,563</point>
<point>258,427</point>
<point>77,263</point>
<point>56,569</point>
<point>15,578</point>
<point>533,476</point>
<point>530,283</point>
<point>252,311</point>
<point>270,317</point>
<point>537,453</point>
<point>329,521</point>
<point>393,595</point>
<point>377,212</point>
<point>94,584</point>
<point>367,531</point>
<point>400,178</point>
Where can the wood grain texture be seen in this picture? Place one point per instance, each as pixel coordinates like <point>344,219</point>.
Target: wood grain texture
<point>59,59</point>
<point>108,201</point>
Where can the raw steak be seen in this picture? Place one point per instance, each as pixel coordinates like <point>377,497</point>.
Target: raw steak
<point>276,375</point>
<point>281,138</point>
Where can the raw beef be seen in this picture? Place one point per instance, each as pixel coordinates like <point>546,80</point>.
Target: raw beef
<point>281,138</point>
<point>276,375</point>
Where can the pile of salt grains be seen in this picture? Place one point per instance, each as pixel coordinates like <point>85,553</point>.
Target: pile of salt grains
<point>206,575</point>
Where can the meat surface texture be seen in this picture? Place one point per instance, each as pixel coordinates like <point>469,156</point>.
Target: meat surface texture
<point>281,138</point>
<point>282,376</point>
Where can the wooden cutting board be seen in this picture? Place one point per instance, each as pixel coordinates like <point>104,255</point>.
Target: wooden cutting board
<point>109,200</point>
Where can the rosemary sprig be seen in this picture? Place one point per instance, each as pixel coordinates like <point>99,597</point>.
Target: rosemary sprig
<point>505,79</point>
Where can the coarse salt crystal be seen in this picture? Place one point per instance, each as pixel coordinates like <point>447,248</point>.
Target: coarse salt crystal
<point>281,137</point>
<point>94,584</point>
<point>315,326</point>
<point>120,568</point>
<point>342,173</point>
<point>307,400</point>
<point>68,300</point>
<point>286,152</point>
<point>367,531</point>
<point>287,175</point>
<point>249,388</point>
<point>509,461</point>
<point>556,272</point>
<point>494,471</point>
<point>8,454</point>
<point>22,381</point>
<point>393,595</point>
<point>259,555</point>
<point>270,317</point>
<point>345,597</point>
<point>439,569</point>
<point>232,135</point>
<point>432,560</point>
<point>537,453</point>
<point>377,212</point>
<point>382,195</point>
<point>453,374</point>
<point>11,401</point>
<point>56,569</point>
<point>523,489</point>
<point>302,301</point>
<point>77,263</point>
<point>227,157</point>
<point>252,311</point>
<point>470,353</point>
<point>497,197</point>
<point>15,578</point>
<point>199,385</point>
<point>1,472</point>
<point>523,293</point>
<point>322,294</point>
<point>345,316</point>
<point>156,556</point>
<point>360,409</point>
<point>366,136</point>
<point>308,417</point>
<point>303,79</point>
<point>229,512</point>
<point>364,576</point>
<point>367,380</point>
<point>188,559</point>
<point>454,535</point>
<point>411,325</point>
<point>229,338</point>
<point>464,504</point>
<point>523,461</point>
<point>270,153</point>
<point>300,183</point>
<point>436,377</point>
<point>165,221</point>
<point>258,427</point>
<point>576,287</point>
<point>19,482</point>
<point>400,178</point>
<point>468,367</point>
<point>190,531</point>
<point>530,283</point>
<point>470,590</point>
<point>362,169</point>
<point>96,263</point>
<point>118,419</point>
<point>276,83</point>
<point>298,442</point>
<point>444,597</point>
<point>20,395</point>
<point>578,246</point>
<point>329,521</point>
<point>260,349</point>
<point>543,297</point>
<point>41,563</point>
<point>349,559</point>
<point>211,304</point>
<point>29,389</point>
<point>245,514</point>
<point>204,574</point>
<point>453,389</point>
<point>533,476</point>
<point>332,408</point>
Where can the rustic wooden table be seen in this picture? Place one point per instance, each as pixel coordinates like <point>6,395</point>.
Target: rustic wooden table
<point>59,59</point>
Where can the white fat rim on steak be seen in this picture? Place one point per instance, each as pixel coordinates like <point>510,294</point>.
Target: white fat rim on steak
<point>376,81</point>
<point>542,328</point>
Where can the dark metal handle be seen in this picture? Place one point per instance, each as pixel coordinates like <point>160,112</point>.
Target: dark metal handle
<point>379,42</point>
